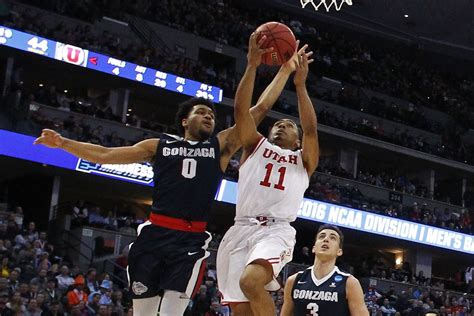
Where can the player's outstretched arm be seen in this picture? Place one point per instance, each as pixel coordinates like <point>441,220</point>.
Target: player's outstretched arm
<point>355,298</point>
<point>287,308</point>
<point>140,152</point>
<point>244,122</point>
<point>308,119</point>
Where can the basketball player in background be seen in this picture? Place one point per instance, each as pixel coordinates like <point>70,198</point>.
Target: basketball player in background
<point>166,260</point>
<point>272,180</point>
<point>323,289</point>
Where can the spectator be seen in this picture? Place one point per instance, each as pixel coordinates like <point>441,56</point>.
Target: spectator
<point>91,280</point>
<point>387,309</point>
<point>80,213</point>
<point>64,279</point>
<point>77,295</point>
<point>33,309</point>
<point>32,234</point>
<point>54,310</point>
<point>117,305</point>
<point>15,303</point>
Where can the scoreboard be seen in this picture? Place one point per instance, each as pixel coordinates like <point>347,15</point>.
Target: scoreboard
<point>109,65</point>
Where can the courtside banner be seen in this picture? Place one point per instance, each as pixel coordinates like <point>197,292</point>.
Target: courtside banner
<point>21,147</point>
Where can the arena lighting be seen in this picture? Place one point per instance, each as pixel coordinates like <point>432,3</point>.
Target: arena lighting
<point>112,66</point>
<point>21,147</point>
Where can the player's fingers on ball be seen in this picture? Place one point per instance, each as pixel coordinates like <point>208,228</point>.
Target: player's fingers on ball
<point>262,40</point>
<point>267,50</point>
<point>309,53</point>
<point>310,61</point>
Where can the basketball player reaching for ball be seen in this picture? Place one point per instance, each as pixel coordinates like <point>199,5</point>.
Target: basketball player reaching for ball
<point>323,289</point>
<point>272,180</point>
<point>166,260</point>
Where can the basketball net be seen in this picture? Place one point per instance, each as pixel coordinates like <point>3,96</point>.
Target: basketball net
<point>327,4</point>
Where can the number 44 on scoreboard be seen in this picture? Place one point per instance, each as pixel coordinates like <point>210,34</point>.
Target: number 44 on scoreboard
<point>37,46</point>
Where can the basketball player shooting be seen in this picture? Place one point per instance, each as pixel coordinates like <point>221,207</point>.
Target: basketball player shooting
<point>272,180</point>
<point>166,260</point>
<point>323,289</point>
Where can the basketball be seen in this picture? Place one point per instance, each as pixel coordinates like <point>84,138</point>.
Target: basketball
<point>281,38</point>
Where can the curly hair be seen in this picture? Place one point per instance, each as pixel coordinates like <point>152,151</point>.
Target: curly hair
<point>185,108</point>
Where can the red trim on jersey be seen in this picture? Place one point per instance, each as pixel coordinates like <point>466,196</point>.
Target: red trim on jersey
<point>202,270</point>
<point>177,223</point>
<point>260,142</point>
<point>257,146</point>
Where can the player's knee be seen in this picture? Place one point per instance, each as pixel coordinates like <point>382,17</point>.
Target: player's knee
<point>253,280</point>
<point>248,285</point>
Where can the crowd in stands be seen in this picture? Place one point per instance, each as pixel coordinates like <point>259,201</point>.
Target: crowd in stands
<point>37,280</point>
<point>327,190</point>
<point>332,50</point>
<point>421,296</point>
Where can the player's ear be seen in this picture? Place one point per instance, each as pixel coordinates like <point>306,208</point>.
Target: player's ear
<point>184,123</point>
<point>339,252</point>
<point>298,143</point>
<point>313,250</point>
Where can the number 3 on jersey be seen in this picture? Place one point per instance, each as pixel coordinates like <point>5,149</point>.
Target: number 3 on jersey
<point>189,168</point>
<point>313,309</point>
<point>266,181</point>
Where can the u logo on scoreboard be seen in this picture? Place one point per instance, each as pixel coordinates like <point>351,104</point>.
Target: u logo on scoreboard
<point>71,54</point>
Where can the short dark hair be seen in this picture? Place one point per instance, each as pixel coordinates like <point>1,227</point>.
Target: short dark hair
<point>185,108</point>
<point>336,229</point>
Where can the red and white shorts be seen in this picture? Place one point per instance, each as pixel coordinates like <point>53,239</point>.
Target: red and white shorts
<point>243,244</point>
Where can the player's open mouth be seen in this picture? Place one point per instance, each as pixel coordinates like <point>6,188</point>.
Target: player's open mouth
<point>325,247</point>
<point>207,124</point>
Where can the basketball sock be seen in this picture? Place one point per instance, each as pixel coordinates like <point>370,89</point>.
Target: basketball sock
<point>173,303</point>
<point>146,306</point>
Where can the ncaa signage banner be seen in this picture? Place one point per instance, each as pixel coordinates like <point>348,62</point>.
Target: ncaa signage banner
<point>323,212</point>
<point>21,146</point>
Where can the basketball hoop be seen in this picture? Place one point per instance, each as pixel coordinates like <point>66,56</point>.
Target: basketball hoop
<point>337,4</point>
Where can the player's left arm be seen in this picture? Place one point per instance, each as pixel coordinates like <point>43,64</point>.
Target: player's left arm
<point>355,298</point>
<point>308,120</point>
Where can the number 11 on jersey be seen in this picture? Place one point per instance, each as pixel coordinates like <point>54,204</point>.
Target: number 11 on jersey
<point>266,180</point>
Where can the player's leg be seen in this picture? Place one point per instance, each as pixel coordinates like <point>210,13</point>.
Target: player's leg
<point>241,309</point>
<point>142,272</point>
<point>252,283</point>
<point>231,262</point>
<point>183,272</point>
<point>271,250</point>
<point>146,306</point>
<point>173,303</point>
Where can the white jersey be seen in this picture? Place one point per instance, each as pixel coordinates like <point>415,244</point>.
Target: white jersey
<point>272,182</point>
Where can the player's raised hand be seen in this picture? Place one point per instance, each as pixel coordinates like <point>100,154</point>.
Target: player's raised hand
<point>302,69</point>
<point>292,63</point>
<point>254,55</point>
<point>50,139</point>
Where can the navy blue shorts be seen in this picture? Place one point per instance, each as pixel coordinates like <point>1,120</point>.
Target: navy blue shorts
<point>166,259</point>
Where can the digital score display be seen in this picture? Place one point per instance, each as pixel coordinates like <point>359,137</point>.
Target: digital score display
<point>105,64</point>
